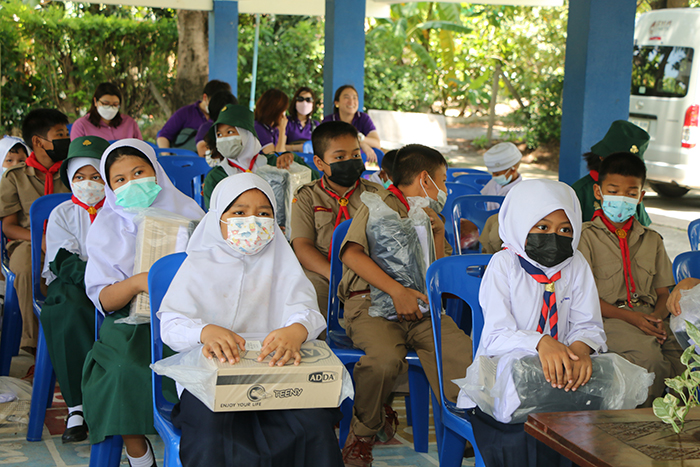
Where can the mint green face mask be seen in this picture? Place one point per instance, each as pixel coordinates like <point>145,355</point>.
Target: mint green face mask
<point>139,193</point>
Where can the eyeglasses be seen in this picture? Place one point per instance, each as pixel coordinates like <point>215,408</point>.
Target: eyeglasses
<point>305,99</point>
<point>108,105</point>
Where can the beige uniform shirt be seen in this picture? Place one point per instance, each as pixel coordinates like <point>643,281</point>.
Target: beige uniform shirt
<point>490,240</point>
<point>651,267</point>
<point>314,212</point>
<point>20,187</point>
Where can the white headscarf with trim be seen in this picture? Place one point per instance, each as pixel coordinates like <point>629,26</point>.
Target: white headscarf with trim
<point>251,147</point>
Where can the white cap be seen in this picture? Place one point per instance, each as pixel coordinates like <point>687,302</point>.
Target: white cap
<point>501,157</point>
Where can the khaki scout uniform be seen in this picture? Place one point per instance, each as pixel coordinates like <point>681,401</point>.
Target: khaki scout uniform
<point>314,213</point>
<point>490,240</point>
<point>385,342</point>
<point>651,269</point>
<point>20,187</point>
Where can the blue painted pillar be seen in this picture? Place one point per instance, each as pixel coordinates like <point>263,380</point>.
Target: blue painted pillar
<point>344,60</point>
<point>223,43</point>
<point>597,78</point>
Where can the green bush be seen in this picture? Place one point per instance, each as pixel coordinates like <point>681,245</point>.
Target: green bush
<point>544,124</point>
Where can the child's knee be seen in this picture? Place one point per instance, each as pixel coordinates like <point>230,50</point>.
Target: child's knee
<point>388,364</point>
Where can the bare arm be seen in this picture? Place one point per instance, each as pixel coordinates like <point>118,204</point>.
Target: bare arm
<point>116,296</point>
<point>310,257</point>
<point>202,148</point>
<point>673,302</point>
<point>163,142</point>
<point>12,229</point>
<point>650,324</point>
<point>373,139</point>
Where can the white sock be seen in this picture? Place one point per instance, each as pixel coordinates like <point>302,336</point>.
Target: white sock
<point>146,461</point>
<point>75,420</point>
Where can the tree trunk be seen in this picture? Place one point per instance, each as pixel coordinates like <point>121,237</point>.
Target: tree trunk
<point>659,4</point>
<point>192,56</point>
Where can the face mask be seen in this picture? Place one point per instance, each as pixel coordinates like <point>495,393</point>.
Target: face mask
<point>304,108</point>
<point>60,149</point>
<point>502,179</point>
<point>387,184</point>
<point>108,113</point>
<point>88,191</point>
<point>548,249</point>
<point>137,194</point>
<point>346,173</point>
<point>441,197</point>
<point>249,235</point>
<point>619,208</point>
<point>230,146</point>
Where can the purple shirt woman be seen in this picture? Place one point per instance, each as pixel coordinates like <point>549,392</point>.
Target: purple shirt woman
<point>301,122</point>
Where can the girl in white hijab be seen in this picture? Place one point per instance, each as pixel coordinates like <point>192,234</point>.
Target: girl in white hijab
<point>116,377</point>
<point>538,296</point>
<point>241,280</point>
<point>13,150</point>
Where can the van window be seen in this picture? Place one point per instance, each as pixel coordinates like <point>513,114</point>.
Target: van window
<point>661,71</point>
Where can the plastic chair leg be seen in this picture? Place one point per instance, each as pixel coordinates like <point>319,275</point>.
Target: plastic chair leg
<point>108,453</point>
<point>409,416</point>
<point>418,385</point>
<point>346,408</point>
<point>11,327</point>
<point>42,390</point>
<point>437,418</point>
<point>452,452</point>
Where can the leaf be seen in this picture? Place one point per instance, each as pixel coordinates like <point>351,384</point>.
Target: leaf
<point>445,25</point>
<point>693,332</point>
<point>678,384</point>
<point>663,409</point>
<point>423,55</point>
<point>687,355</point>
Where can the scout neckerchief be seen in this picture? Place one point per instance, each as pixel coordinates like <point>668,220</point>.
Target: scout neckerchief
<point>625,250</point>
<point>342,211</point>
<point>399,195</point>
<point>250,167</point>
<point>92,210</point>
<point>48,182</point>
<point>549,304</point>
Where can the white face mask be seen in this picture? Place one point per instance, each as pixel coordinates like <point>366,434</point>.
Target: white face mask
<point>304,108</point>
<point>249,235</point>
<point>230,146</point>
<point>108,113</point>
<point>88,191</point>
<point>441,197</point>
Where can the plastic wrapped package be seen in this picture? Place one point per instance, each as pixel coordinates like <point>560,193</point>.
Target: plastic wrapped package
<point>285,183</point>
<point>690,311</point>
<point>403,248</point>
<point>511,387</point>
<point>15,400</point>
<point>160,233</point>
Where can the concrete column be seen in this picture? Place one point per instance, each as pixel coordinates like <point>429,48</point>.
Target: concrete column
<point>223,43</point>
<point>344,61</point>
<point>598,76</point>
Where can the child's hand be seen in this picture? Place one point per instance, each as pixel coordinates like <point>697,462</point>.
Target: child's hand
<point>673,302</point>
<point>649,324</point>
<point>221,342</point>
<point>286,343</point>
<point>406,304</point>
<point>435,222</point>
<point>556,359</point>
<point>583,368</point>
<point>285,160</point>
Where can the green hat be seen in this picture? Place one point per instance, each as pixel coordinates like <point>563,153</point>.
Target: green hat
<point>85,146</point>
<point>234,115</point>
<point>622,136</point>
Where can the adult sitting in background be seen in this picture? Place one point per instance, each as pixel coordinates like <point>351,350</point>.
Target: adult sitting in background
<point>180,129</point>
<point>346,104</point>
<point>104,119</point>
<point>271,121</point>
<point>205,147</point>
<point>301,123</point>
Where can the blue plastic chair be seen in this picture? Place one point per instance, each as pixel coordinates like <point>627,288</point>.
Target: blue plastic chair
<point>187,174</point>
<point>686,265</point>
<point>459,276</point>
<point>454,190</point>
<point>160,276</point>
<point>175,151</point>
<point>417,408</point>
<point>694,234</point>
<point>474,180</point>
<point>11,334</point>
<point>474,209</point>
<point>455,171</point>
<point>44,377</point>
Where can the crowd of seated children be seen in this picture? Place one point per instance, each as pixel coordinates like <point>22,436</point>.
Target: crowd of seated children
<point>301,122</point>
<point>206,147</point>
<point>346,109</point>
<point>104,119</point>
<point>632,272</point>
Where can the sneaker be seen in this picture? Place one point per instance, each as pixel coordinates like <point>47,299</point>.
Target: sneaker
<point>357,451</point>
<point>391,425</point>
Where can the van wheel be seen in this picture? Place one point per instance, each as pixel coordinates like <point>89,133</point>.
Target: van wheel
<point>669,190</point>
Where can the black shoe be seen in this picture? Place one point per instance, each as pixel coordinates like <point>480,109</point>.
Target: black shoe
<point>76,433</point>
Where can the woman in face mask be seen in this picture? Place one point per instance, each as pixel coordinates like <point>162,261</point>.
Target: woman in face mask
<point>104,119</point>
<point>300,123</point>
<point>116,373</point>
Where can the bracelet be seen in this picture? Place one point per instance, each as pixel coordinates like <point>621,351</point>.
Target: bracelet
<point>360,136</point>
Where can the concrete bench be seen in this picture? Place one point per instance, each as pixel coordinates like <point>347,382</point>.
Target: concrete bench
<point>397,129</point>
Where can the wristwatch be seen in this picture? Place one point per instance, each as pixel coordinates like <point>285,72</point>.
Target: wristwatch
<point>360,136</point>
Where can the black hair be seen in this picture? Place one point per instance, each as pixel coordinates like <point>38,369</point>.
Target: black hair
<point>326,132</point>
<point>593,161</point>
<point>15,149</point>
<point>622,163</point>
<point>293,114</point>
<point>104,89</point>
<point>214,86</point>
<point>413,159</point>
<point>38,123</point>
<point>119,153</point>
<point>339,91</point>
<point>388,163</point>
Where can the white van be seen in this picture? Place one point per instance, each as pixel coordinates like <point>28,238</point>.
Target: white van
<point>665,97</point>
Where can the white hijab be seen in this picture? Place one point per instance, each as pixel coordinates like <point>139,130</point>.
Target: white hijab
<point>251,147</point>
<point>248,294</point>
<point>9,142</point>
<point>111,241</point>
<point>526,204</point>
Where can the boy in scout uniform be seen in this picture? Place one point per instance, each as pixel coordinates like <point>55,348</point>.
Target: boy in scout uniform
<point>419,171</point>
<point>46,133</point>
<point>632,272</point>
<point>320,206</point>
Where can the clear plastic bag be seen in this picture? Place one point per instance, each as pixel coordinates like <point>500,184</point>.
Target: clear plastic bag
<point>511,387</point>
<point>403,248</point>
<point>15,400</point>
<point>284,184</point>
<point>160,233</point>
<point>690,311</point>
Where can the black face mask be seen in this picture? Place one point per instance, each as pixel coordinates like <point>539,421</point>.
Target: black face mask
<point>60,149</point>
<point>346,173</point>
<point>548,249</point>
